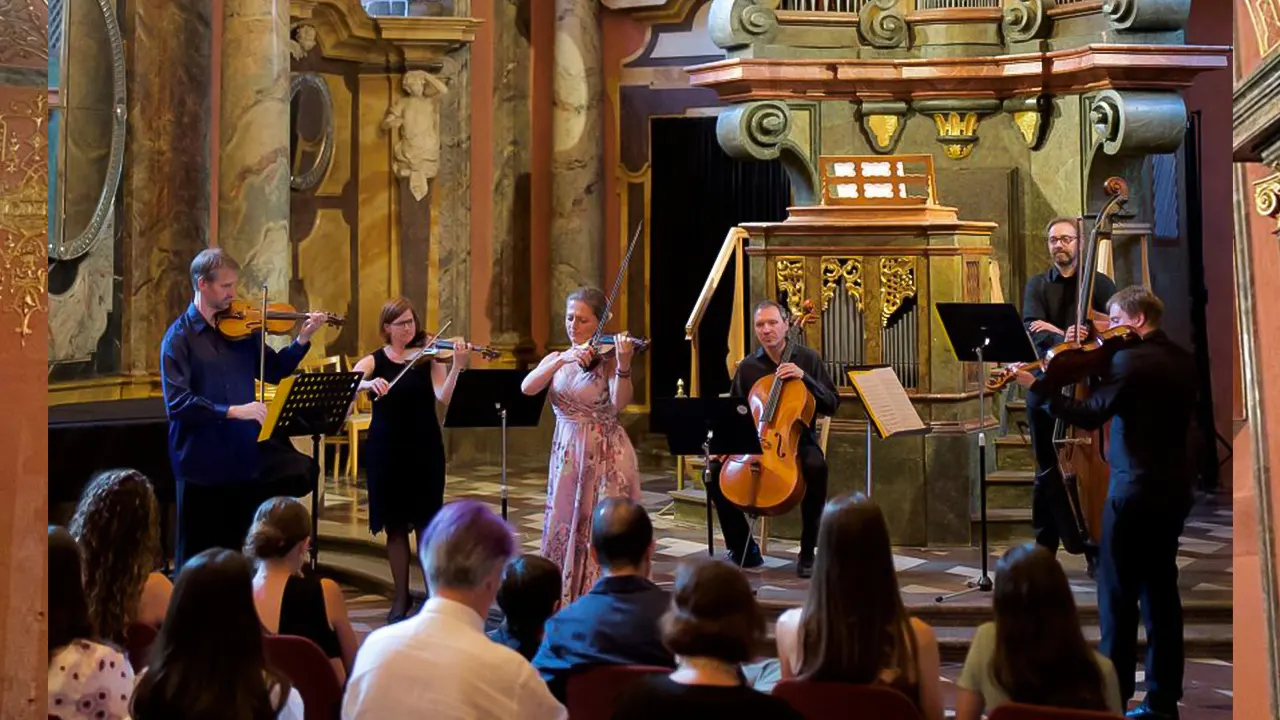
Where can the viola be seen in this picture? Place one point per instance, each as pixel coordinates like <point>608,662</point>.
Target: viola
<point>242,319</point>
<point>771,483</point>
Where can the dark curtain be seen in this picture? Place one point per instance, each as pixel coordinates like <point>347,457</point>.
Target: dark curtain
<point>698,194</point>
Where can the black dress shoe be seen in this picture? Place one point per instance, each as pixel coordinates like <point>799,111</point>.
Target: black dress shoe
<point>1146,712</point>
<point>753,560</point>
<point>804,567</point>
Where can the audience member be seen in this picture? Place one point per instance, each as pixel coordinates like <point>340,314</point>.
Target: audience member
<point>87,679</point>
<point>1034,652</point>
<point>117,524</point>
<point>616,622</point>
<point>713,626</point>
<point>290,602</point>
<point>530,593</point>
<point>439,663</point>
<point>853,626</point>
<point>208,662</point>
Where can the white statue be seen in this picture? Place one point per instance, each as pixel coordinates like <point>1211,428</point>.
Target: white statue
<point>414,122</point>
<point>303,41</point>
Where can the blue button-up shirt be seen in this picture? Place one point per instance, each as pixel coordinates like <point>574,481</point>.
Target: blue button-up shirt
<point>203,374</point>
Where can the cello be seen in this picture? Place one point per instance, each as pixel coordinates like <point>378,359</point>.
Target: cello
<point>1082,463</point>
<point>771,484</point>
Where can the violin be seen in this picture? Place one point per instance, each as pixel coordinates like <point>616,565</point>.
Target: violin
<point>600,343</point>
<point>1068,363</point>
<point>771,483</point>
<point>441,349</point>
<point>242,319</point>
<point>607,344</point>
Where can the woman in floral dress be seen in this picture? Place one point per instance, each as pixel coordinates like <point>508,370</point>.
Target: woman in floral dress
<point>591,455</point>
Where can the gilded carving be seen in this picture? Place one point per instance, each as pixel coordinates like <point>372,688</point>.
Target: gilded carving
<point>1266,198</point>
<point>1264,15</point>
<point>789,272</point>
<point>897,283</point>
<point>842,271</point>
<point>883,131</point>
<point>24,210</point>
<point>414,122</point>
<point>24,32</point>
<point>957,132</point>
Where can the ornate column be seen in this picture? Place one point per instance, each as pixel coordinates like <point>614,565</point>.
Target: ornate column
<point>166,193</point>
<point>253,175</point>
<point>577,219</point>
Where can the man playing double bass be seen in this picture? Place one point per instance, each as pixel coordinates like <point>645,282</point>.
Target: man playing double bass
<point>770,322</point>
<point>1148,394</point>
<point>1048,310</point>
<point>222,471</point>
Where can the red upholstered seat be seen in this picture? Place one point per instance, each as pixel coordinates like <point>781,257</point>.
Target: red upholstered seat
<point>593,694</point>
<point>1018,711</point>
<point>305,664</point>
<point>822,700</point>
<point>138,639</point>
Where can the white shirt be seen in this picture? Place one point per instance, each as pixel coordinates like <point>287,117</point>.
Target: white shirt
<point>439,663</point>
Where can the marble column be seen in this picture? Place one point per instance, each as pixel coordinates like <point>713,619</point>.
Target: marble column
<point>166,193</point>
<point>253,172</point>
<point>577,220</point>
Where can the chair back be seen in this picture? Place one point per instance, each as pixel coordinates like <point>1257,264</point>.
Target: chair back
<point>1020,711</point>
<point>305,664</point>
<point>822,700</point>
<point>138,639</point>
<point>593,694</point>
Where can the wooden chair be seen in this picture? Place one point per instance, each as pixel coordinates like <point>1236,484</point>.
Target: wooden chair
<point>593,694</point>
<point>822,427</point>
<point>1019,711</point>
<point>305,664</point>
<point>823,700</point>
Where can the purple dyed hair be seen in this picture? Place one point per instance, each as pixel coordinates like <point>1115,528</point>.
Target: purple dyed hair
<point>464,545</point>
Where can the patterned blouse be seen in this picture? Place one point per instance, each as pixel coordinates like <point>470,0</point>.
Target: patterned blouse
<point>89,681</point>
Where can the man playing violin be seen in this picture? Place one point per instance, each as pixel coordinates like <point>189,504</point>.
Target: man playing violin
<point>222,471</point>
<point>1148,395</point>
<point>770,321</point>
<point>1048,306</point>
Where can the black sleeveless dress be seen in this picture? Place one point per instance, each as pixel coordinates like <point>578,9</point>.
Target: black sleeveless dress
<point>405,450</point>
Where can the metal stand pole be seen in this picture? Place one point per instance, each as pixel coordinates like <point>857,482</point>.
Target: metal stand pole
<point>706,488</point>
<point>868,457</point>
<point>315,504</point>
<point>502,413</point>
<point>983,583</point>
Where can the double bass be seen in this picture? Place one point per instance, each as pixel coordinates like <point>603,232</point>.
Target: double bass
<point>771,484</point>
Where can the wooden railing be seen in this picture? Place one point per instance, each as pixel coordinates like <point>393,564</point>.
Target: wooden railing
<point>730,249</point>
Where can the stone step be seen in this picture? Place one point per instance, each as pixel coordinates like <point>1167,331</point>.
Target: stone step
<point>690,504</point>
<point>1009,489</point>
<point>1014,452</point>
<point>1004,525</point>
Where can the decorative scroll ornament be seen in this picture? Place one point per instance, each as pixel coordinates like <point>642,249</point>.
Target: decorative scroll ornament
<point>24,210</point>
<point>883,24</point>
<point>1138,123</point>
<point>1148,15</point>
<point>754,130</point>
<point>837,271</point>
<point>414,122</point>
<point>789,272</point>
<point>740,23</point>
<point>1266,198</point>
<point>897,283</point>
<point>1024,20</point>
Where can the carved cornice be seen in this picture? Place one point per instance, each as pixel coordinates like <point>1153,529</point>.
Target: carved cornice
<point>1073,71</point>
<point>1255,122</point>
<point>657,12</point>
<point>344,31</point>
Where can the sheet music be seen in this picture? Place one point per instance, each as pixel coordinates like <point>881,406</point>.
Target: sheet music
<point>887,401</point>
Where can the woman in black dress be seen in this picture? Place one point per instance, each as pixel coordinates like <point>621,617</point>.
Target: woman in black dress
<point>405,449</point>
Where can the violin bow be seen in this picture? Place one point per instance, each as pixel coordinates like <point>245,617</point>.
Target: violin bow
<point>408,363</point>
<point>613,294</point>
<point>262,351</point>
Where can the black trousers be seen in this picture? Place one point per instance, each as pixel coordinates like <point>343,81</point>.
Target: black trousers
<point>733,524</point>
<point>212,516</point>
<point>1046,492</point>
<point>1138,574</point>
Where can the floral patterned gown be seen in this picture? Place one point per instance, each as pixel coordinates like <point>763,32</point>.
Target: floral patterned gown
<point>591,459</point>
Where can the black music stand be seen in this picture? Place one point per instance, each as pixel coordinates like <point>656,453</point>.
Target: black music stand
<point>706,427</point>
<point>312,404</point>
<point>983,333</point>
<point>493,399</point>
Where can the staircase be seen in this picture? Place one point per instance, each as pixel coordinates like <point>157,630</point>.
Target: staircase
<point>1009,485</point>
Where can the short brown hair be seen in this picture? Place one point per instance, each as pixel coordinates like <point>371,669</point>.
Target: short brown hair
<point>1074,222</point>
<point>593,298</point>
<point>713,613</point>
<point>1137,299</point>
<point>208,263</point>
<point>782,309</point>
<point>278,526</point>
<point>392,310</point>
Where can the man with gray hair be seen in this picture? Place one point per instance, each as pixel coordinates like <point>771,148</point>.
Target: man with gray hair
<point>439,663</point>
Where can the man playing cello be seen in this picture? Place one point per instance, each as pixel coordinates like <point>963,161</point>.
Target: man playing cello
<point>223,473</point>
<point>770,322</point>
<point>1148,394</point>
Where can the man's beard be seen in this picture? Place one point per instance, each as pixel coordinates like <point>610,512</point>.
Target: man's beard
<point>1069,261</point>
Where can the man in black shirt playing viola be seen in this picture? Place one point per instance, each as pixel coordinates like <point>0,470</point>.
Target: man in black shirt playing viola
<point>1049,312</point>
<point>770,322</point>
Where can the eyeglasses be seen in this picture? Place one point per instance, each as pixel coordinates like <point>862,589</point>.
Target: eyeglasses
<point>1061,239</point>
<point>403,323</point>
